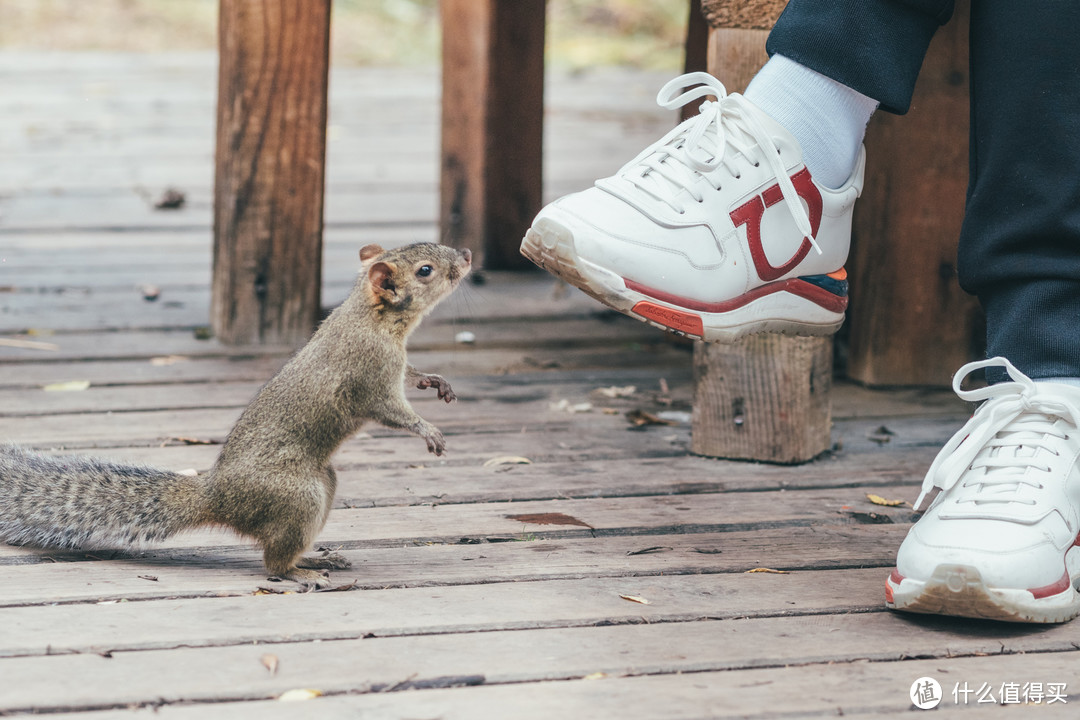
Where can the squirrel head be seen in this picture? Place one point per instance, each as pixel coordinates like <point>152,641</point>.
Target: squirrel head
<point>409,281</point>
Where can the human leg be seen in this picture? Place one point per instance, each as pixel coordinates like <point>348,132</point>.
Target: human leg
<point>1001,534</point>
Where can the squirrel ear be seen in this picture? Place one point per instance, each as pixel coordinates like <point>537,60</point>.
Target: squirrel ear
<point>369,251</point>
<point>381,275</point>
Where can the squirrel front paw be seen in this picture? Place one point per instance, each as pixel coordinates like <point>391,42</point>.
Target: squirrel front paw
<point>439,383</point>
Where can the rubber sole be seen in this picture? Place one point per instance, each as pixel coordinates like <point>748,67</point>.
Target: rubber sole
<point>959,590</point>
<point>551,246</point>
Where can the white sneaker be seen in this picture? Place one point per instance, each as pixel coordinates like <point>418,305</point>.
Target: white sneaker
<point>1001,535</point>
<point>715,231</point>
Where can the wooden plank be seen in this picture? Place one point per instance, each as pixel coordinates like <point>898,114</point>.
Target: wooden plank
<point>211,621</point>
<point>656,515</point>
<point>861,690</point>
<point>372,665</point>
<point>270,157</point>
<point>492,125</point>
<point>45,578</point>
<point>905,295</point>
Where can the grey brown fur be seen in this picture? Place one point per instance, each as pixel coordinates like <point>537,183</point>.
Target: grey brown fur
<point>272,481</point>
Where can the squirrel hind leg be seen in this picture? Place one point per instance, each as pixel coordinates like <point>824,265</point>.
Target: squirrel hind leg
<point>283,556</point>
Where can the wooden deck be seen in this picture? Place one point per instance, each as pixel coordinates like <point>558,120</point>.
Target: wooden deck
<point>640,603</point>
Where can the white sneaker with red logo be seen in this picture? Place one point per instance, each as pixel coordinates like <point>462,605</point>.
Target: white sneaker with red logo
<point>1000,538</point>
<point>715,231</point>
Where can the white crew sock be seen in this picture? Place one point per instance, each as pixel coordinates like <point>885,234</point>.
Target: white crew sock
<point>826,117</point>
<point>1075,382</point>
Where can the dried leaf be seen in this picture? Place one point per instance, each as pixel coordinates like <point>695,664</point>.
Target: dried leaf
<point>507,460</point>
<point>565,405</point>
<point>881,435</point>
<point>299,694</point>
<point>28,344</point>
<point>168,360</point>
<point>69,386</point>
<point>150,293</point>
<point>270,662</point>
<point>616,392</point>
<point>768,570</point>
<point>878,500</point>
<point>465,337</point>
<point>171,199</point>
<point>195,441</point>
<point>636,599</point>
<point>549,519</point>
<point>595,676</point>
<point>151,578</point>
<point>640,418</point>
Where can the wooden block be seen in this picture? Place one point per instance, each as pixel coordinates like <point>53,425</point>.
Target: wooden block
<point>905,298</point>
<point>492,126</point>
<point>270,161</point>
<point>763,398</point>
<point>766,397</point>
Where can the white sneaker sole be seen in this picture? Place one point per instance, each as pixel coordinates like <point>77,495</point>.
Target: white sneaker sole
<point>959,590</point>
<point>551,246</point>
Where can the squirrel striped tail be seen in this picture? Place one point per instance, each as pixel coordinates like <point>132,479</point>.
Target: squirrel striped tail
<point>81,502</point>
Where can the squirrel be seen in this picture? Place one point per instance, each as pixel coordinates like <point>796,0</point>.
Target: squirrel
<point>272,481</point>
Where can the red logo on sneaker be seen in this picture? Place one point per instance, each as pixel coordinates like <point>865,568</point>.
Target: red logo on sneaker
<point>753,210</point>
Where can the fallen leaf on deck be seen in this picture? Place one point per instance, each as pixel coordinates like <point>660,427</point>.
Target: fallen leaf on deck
<point>640,418</point>
<point>565,405</point>
<point>151,578</point>
<point>69,386</point>
<point>28,344</point>
<point>168,360</point>
<point>868,518</point>
<point>636,599</point>
<point>878,500</point>
<point>768,570</point>
<point>507,460</point>
<point>270,662</point>
<point>340,588</point>
<point>171,199</point>
<point>595,676</point>
<point>465,337</point>
<point>150,293</point>
<point>881,435</point>
<point>616,392</point>
<point>549,519</point>
<point>195,441</point>
<point>299,694</point>
<point>263,590</point>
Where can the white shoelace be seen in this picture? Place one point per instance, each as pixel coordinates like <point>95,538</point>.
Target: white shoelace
<point>1004,438</point>
<point>722,131</point>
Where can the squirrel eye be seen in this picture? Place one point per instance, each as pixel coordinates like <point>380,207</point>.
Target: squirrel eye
<point>424,271</point>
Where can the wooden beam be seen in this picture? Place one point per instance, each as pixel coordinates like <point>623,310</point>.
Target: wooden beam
<point>269,169</point>
<point>910,323</point>
<point>492,126</point>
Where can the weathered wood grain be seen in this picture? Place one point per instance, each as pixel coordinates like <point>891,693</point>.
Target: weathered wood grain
<point>269,160</point>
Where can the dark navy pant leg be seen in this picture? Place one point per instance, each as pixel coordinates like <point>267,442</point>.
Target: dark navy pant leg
<point>1020,244</point>
<point>873,46</point>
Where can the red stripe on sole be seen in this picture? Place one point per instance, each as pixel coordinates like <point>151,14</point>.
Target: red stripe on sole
<point>817,295</point>
<point>669,317</point>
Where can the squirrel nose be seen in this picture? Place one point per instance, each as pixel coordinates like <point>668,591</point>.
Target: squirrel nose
<point>467,254</point>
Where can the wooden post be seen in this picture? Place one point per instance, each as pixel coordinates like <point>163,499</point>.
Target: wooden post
<point>270,160</point>
<point>910,323</point>
<point>765,397</point>
<point>492,126</point>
